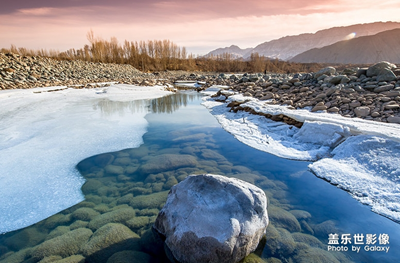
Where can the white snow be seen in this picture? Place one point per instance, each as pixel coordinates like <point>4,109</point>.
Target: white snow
<point>188,84</point>
<point>369,168</point>
<point>43,135</point>
<point>213,89</point>
<point>359,156</point>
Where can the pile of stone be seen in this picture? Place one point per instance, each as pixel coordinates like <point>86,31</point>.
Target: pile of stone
<point>24,72</point>
<point>370,93</point>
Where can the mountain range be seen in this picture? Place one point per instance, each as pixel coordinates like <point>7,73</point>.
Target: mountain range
<point>384,46</point>
<point>288,47</point>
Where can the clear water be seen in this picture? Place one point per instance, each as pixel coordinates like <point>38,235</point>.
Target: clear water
<point>129,187</point>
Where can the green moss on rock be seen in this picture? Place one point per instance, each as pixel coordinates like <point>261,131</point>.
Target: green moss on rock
<point>307,239</point>
<point>314,255</point>
<point>58,231</point>
<point>156,200</point>
<point>118,216</point>
<point>167,162</point>
<point>65,245</point>
<point>108,240</point>
<point>138,222</point>
<point>72,259</point>
<point>18,257</point>
<point>129,256</point>
<point>50,259</point>
<point>78,224</point>
<point>85,214</point>
<point>284,219</point>
<point>27,237</point>
<point>252,258</point>
<point>91,186</point>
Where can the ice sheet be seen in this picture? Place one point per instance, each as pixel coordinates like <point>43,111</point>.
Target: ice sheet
<point>369,168</point>
<point>44,135</point>
<point>359,156</point>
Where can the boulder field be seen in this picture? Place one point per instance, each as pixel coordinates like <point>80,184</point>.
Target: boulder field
<point>371,93</point>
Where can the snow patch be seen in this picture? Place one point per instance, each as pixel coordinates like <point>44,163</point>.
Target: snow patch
<point>43,135</point>
<point>369,168</point>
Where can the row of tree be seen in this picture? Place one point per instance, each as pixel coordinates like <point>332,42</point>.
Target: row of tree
<point>158,55</point>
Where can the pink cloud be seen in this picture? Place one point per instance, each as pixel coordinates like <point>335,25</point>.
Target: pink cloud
<point>36,11</point>
<point>199,25</point>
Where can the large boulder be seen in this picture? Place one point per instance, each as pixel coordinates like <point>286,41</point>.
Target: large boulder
<point>325,71</point>
<point>212,218</point>
<point>379,68</point>
<point>386,75</point>
<point>382,71</point>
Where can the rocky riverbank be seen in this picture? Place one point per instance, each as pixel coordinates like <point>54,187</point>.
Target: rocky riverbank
<point>22,72</point>
<point>370,93</point>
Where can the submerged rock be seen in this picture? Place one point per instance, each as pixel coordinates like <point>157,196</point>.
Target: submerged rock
<point>18,257</point>
<point>84,213</point>
<point>72,259</point>
<point>117,216</point>
<point>155,200</point>
<point>308,239</point>
<point>108,240</point>
<point>25,238</point>
<point>167,162</point>
<point>129,256</point>
<point>212,218</point>
<point>65,245</point>
<point>284,219</point>
<point>314,255</point>
<point>279,242</point>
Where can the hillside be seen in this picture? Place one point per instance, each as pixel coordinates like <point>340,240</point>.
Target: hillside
<point>236,51</point>
<point>287,47</point>
<point>361,50</point>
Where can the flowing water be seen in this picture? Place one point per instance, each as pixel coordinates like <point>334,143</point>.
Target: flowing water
<point>125,190</point>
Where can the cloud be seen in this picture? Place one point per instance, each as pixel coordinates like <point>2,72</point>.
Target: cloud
<point>36,11</point>
<point>178,8</point>
<point>200,28</point>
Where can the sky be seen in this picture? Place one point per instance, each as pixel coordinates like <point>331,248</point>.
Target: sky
<point>200,26</point>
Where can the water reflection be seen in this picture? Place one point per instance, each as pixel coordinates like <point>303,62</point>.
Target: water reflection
<point>110,107</point>
<point>167,104</point>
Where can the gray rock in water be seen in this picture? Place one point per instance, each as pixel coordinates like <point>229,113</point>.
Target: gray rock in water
<point>65,245</point>
<point>327,71</point>
<point>167,162</point>
<point>108,240</point>
<point>212,218</point>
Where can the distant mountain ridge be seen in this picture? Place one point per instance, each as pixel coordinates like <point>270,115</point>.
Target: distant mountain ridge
<point>384,46</point>
<point>236,51</point>
<point>288,47</point>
